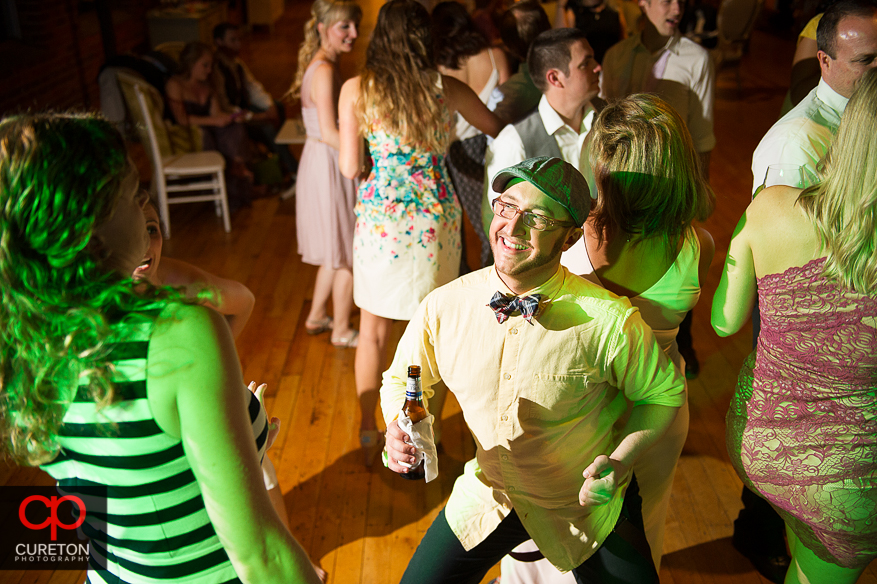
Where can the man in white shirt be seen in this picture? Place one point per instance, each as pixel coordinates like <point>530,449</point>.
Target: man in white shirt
<point>846,39</point>
<point>562,65</point>
<point>659,60</point>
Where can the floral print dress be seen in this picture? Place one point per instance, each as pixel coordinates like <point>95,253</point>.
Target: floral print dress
<point>407,238</point>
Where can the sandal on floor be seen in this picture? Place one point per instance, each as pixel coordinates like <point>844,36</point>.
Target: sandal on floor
<point>372,442</point>
<point>347,342</point>
<point>318,327</point>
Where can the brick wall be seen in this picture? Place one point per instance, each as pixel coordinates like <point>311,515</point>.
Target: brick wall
<point>56,62</point>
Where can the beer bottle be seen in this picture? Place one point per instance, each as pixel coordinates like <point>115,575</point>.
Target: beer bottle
<point>415,412</point>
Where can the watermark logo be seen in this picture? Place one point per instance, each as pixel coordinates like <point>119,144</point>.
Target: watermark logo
<point>46,528</point>
<point>53,521</point>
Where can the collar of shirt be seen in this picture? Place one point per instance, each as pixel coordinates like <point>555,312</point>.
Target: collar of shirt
<point>831,98</point>
<point>554,123</point>
<point>671,45</point>
<point>550,289</point>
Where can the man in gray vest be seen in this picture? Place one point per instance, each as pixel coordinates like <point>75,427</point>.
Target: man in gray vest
<point>562,65</point>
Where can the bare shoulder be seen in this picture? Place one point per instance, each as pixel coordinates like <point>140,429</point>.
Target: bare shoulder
<point>775,205</point>
<point>174,272</point>
<point>350,89</point>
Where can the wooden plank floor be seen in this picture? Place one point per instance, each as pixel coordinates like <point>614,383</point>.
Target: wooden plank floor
<point>362,525</point>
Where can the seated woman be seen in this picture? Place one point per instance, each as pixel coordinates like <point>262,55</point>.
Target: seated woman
<point>640,241</point>
<point>801,427</point>
<point>193,100</point>
<point>104,381</point>
<point>463,53</point>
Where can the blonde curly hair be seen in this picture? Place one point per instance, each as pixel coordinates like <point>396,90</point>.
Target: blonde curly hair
<point>327,13</point>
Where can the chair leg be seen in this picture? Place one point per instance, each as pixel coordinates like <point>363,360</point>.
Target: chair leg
<point>163,208</point>
<point>224,202</point>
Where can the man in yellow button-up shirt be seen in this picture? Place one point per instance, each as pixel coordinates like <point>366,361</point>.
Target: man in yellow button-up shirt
<point>538,390</point>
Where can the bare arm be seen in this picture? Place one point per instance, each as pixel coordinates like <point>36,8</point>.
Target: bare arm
<point>735,296</point>
<point>647,423</point>
<point>192,362</point>
<point>462,99</point>
<point>502,65</point>
<point>232,299</point>
<point>707,252</point>
<point>350,140</point>
<point>174,93</point>
<point>323,95</point>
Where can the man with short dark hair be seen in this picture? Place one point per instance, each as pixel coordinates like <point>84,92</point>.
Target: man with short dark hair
<point>240,89</point>
<point>534,355</point>
<point>847,47</point>
<point>562,66</point>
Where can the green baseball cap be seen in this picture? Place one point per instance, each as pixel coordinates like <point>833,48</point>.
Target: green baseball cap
<point>559,180</point>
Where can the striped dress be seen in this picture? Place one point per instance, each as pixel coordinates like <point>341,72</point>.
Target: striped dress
<point>156,527</point>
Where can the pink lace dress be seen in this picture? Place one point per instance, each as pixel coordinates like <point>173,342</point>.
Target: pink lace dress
<point>802,426</point>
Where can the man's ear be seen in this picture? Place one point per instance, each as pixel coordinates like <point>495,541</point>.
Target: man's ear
<point>643,4</point>
<point>572,237</point>
<point>824,60</point>
<point>554,78</point>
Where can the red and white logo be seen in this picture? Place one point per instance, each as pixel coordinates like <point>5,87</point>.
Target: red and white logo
<point>52,504</point>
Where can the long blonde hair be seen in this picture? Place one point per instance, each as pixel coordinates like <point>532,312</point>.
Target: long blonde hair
<point>327,13</point>
<point>844,206</point>
<point>398,85</point>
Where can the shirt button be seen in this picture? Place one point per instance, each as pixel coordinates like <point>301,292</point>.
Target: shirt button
<point>514,331</point>
<point>505,456</point>
<point>507,376</point>
<point>504,417</point>
<point>511,489</point>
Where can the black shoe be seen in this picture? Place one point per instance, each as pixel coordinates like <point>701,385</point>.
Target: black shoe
<point>772,566</point>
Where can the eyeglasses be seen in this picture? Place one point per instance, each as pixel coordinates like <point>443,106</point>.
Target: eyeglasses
<point>532,220</point>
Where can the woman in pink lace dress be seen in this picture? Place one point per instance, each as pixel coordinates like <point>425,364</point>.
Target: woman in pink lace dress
<point>802,426</point>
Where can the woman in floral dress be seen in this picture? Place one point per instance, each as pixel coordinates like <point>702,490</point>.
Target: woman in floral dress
<point>407,239</point>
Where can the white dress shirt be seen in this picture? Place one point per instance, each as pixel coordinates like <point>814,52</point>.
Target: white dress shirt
<point>802,136</point>
<point>687,80</point>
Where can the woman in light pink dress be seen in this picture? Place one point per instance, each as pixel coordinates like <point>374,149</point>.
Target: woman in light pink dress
<point>325,199</point>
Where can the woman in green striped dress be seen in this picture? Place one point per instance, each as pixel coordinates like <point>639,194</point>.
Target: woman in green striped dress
<point>104,381</point>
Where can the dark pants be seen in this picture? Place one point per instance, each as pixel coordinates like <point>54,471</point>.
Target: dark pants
<point>683,337</point>
<point>624,558</point>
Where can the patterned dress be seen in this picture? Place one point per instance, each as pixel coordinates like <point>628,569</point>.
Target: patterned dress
<point>802,426</point>
<point>407,238</point>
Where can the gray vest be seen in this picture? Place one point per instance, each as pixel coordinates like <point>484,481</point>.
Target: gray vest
<point>536,140</point>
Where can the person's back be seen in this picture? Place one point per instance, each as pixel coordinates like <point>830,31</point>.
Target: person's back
<point>809,385</point>
<point>155,511</point>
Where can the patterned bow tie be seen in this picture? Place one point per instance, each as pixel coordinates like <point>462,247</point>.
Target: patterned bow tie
<point>505,306</point>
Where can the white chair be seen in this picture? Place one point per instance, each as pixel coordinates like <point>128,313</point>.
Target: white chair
<point>194,172</point>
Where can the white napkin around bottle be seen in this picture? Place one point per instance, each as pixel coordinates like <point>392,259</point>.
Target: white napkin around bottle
<point>423,440</point>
